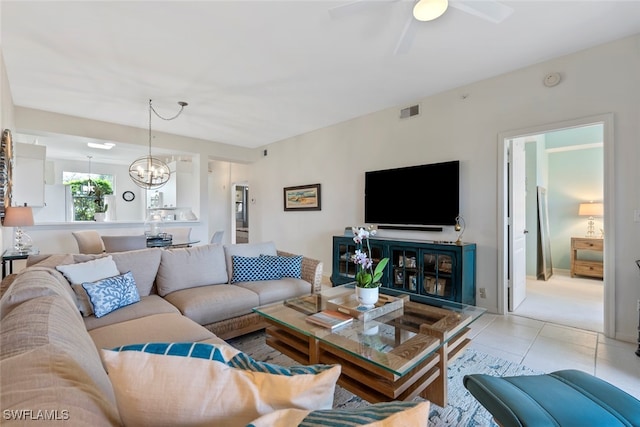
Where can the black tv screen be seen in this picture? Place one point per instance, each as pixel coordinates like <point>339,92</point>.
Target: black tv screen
<point>414,195</point>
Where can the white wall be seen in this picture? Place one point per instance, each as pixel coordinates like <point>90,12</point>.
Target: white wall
<point>596,81</point>
<point>600,80</point>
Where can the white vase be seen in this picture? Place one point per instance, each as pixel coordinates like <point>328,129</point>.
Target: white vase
<point>99,216</point>
<point>367,297</point>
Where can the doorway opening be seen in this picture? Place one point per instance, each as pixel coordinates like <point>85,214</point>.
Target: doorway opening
<point>549,164</point>
<point>240,214</point>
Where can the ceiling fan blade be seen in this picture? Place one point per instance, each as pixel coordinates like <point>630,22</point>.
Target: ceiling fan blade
<point>355,6</point>
<point>406,38</point>
<point>492,11</point>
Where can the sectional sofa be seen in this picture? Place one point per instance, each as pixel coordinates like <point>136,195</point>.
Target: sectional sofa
<point>200,282</point>
<point>136,346</point>
<point>49,349</point>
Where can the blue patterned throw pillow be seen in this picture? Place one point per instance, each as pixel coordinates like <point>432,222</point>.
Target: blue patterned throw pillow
<point>251,269</point>
<point>290,266</point>
<point>112,293</point>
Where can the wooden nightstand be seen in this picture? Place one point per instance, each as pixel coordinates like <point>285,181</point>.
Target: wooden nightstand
<point>581,267</point>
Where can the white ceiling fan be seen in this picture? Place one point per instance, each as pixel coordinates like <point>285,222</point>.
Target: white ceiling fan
<point>428,10</point>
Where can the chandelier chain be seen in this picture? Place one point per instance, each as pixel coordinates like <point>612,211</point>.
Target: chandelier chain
<point>181,103</point>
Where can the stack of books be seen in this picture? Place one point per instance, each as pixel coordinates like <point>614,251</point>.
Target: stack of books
<point>330,319</point>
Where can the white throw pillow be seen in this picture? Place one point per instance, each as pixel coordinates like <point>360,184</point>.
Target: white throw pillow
<point>90,271</point>
<point>171,384</point>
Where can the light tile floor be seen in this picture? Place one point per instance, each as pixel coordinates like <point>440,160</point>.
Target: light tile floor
<point>547,347</point>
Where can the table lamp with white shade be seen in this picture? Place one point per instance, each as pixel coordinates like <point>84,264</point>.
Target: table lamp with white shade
<point>591,210</point>
<point>19,216</point>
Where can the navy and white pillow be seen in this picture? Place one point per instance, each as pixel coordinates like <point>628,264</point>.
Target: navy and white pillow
<point>290,266</point>
<point>112,293</point>
<point>251,269</point>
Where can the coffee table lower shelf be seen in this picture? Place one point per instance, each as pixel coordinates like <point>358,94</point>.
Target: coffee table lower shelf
<point>364,379</point>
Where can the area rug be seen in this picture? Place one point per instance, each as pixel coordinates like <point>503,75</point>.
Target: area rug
<point>463,410</point>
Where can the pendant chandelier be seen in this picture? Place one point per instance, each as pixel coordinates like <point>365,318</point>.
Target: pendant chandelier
<point>88,188</point>
<point>150,172</point>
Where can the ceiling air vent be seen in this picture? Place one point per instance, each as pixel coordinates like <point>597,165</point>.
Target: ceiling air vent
<point>414,110</point>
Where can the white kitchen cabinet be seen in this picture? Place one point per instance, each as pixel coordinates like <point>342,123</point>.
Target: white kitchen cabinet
<point>28,175</point>
<point>178,191</point>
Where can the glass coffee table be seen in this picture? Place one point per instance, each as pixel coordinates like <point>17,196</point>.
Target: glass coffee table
<point>397,351</point>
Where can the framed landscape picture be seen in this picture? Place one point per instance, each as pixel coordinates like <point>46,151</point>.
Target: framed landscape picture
<point>302,198</point>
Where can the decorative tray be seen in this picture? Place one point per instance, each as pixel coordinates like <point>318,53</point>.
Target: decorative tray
<point>309,304</point>
<point>348,304</point>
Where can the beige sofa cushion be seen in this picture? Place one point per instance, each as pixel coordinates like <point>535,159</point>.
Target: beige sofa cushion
<point>47,358</point>
<point>164,327</point>
<point>46,379</point>
<point>247,250</point>
<point>33,283</point>
<point>210,304</point>
<point>269,291</point>
<point>151,304</point>
<point>49,260</point>
<point>185,268</point>
<point>142,263</point>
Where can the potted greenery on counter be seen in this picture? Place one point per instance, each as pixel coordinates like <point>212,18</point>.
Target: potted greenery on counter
<point>88,198</point>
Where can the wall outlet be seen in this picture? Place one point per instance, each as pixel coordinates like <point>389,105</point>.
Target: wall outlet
<point>638,308</point>
<point>483,294</point>
<point>636,215</point>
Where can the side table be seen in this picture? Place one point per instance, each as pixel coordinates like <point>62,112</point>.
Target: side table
<point>10,255</point>
<point>582,267</point>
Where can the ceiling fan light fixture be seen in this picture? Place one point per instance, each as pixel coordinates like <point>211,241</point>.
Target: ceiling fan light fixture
<point>428,10</point>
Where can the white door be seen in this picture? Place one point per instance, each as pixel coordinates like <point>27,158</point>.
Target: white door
<point>517,224</point>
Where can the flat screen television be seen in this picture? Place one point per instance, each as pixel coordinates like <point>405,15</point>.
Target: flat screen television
<point>414,195</point>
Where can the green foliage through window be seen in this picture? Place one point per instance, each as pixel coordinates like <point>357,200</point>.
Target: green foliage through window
<point>88,197</point>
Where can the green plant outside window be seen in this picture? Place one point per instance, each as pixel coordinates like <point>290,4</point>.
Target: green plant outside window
<point>86,205</point>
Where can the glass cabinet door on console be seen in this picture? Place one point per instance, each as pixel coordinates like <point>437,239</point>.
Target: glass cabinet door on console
<point>405,274</point>
<point>437,278</point>
<point>344,269</point>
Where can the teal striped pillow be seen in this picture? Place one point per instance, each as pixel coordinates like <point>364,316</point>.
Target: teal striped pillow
<point>210,384</point>
<point>357,416</point>
<point>222,354</point>
<point>387,414</point>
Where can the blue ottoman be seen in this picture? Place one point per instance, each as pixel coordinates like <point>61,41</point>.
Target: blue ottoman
<point>568,398</point>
